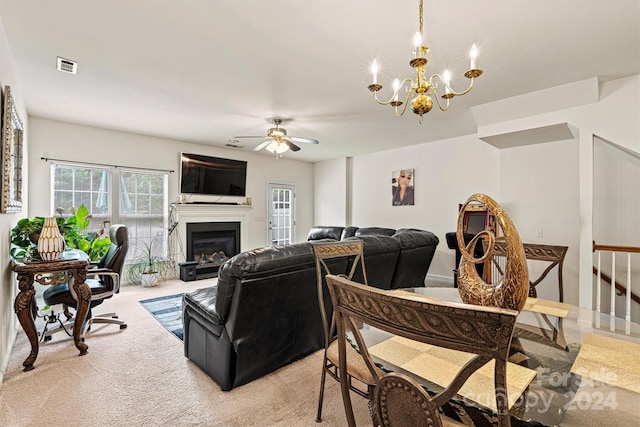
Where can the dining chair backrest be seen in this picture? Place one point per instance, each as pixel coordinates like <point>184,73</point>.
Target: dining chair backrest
<point>484,332</point>
<point>351,253</point>
<point>344,258</point>
<point>552,254</point>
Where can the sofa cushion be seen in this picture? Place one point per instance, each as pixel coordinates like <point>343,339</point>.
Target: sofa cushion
<point>325,232</point>
<point>376,231</point>
<point>348,232</point>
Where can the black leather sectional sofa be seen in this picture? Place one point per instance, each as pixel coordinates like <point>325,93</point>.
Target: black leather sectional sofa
<point>263,313</point>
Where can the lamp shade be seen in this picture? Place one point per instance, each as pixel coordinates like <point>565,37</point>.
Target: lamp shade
<point>51,242</point>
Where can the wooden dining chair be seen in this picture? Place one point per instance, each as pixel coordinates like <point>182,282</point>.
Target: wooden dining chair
<point>399,400</point>
<point>339,256</point>
<point>548,256</point>
<point>553,255</point>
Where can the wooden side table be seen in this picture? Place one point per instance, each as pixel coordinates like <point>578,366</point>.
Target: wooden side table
<point>47,273</point>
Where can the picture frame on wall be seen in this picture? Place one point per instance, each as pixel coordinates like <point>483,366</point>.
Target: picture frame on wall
<point>11,156</point>
<point>402,187</point>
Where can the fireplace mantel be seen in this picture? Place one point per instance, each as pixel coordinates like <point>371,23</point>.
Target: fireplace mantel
<point>210,207</point>
<point>199,212</point>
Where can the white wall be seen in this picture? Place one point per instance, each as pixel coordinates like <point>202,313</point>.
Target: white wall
<point>617,217</point>
<point>539,189</point>
<point>616,117</point>
<point>72,142</point>
<point>8,284</point>
<point>446,174</point>
<point>330,197</point>
<point>616,195</point>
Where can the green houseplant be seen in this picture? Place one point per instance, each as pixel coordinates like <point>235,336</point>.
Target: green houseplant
<point>146,268</point>
<point>24,236</point>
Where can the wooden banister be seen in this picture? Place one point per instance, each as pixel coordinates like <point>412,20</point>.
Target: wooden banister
<point>612,248</point>
<point>621,290</point>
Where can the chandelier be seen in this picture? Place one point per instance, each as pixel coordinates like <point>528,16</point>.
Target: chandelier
<point>420,94</point>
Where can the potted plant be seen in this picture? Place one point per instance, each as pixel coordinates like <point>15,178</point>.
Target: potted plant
<point>147,269</point>
<point>24,236</point>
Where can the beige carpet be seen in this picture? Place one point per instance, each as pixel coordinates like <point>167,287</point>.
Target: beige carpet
<point>140,377</point>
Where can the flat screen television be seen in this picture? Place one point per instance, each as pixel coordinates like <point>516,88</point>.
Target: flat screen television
<point>212,175</point>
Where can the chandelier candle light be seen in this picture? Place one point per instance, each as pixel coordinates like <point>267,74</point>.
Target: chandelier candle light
<point>423,90</point>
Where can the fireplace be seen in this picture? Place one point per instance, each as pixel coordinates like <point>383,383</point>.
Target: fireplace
<point>210,244</point>
<point>197,213</point>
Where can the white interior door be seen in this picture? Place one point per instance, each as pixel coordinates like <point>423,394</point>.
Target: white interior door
<point>281,214</point>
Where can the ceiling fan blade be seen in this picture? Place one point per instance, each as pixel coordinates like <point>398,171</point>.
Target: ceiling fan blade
<point>252,136</point>
<point>291,145</point>
<point>263,145</point>
<point>305,140</point>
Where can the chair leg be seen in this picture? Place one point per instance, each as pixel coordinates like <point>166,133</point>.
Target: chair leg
<point>67,327</point>
<point>321,398</point>
<point>109,318</point>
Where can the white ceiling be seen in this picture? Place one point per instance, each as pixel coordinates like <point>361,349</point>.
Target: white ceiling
<point>205,71</point>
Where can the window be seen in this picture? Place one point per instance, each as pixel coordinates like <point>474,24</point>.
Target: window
<point>143,209</point>
<point>136,198</point>
<point>76,185</point>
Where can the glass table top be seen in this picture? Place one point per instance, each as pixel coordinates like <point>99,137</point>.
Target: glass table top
<point>564,372</point>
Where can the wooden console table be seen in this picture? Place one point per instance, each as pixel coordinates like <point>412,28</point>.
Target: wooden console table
<point>47,273</point>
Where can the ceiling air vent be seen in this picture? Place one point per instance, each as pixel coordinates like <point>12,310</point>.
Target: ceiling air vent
<point>67,65</point>
<point>233,143</point>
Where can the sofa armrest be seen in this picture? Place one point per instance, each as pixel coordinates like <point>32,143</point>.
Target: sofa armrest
<point>203,302</point>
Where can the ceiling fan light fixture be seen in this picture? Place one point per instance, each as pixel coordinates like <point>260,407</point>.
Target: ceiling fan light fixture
<point>278,142</point>
<point>277,147</point>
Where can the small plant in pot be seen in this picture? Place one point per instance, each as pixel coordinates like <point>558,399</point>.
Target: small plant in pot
<point>147,269</point>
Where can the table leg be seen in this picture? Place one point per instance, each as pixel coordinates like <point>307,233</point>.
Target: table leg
<point>83,293</point>
<point>25,301</point>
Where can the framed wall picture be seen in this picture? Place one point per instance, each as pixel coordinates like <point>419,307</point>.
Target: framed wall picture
<point>402,187</point>
<point>11,152</point>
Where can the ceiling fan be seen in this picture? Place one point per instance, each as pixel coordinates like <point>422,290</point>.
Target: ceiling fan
<point>278,141</point>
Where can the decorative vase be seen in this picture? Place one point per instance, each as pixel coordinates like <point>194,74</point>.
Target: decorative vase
<point>50,242</point>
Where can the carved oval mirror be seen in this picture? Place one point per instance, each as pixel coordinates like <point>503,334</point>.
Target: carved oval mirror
<point>12,134</point>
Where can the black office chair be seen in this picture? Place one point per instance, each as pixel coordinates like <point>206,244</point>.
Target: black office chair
<point>103,279</point>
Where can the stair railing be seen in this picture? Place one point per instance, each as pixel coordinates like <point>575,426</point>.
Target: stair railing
<point>620,289</point>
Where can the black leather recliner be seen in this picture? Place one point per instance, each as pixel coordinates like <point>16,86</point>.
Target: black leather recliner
<point>264,313</point>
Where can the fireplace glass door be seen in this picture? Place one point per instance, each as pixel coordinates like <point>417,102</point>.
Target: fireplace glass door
<point>210,244</point>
